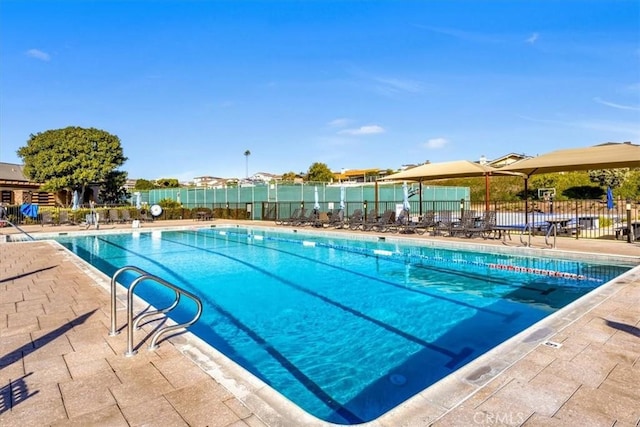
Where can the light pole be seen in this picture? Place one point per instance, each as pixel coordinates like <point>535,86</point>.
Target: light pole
<point>247,153</point>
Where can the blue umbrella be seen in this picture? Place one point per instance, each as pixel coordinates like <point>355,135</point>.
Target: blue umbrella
<point>405,192</point>
<point>74,203</point>
<point>29,210</point>
<point>342,189</point>
<point>316,205</point>
<point>609,198</point>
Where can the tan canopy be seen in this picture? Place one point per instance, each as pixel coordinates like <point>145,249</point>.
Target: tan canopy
<point>444,170</point>
<point>605,156</point>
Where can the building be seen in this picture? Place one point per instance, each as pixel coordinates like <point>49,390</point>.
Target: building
<point>206,181</point>
<point>16,188</point>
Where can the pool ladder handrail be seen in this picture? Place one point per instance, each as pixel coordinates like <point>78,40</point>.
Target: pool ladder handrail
<point>17,228</point>
<point>552,227</point>
<point>528,229</point>
<point>144,275</point>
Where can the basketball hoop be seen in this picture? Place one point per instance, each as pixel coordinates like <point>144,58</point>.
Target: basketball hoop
<point>546,194</point>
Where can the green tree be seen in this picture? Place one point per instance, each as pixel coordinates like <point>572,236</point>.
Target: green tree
<point>112,190</point>
<point>319,172</point>
<point>613,178</point>
<point>289,177</point>
<point>167,183</point>
<point>144,184</point>
<point>71,158</point>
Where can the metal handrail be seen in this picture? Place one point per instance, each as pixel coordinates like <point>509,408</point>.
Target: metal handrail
<point>113,330</point>
<point>552,227</point>
<point>17,228</point>
<point>527,227</point>
<point>145,276</point>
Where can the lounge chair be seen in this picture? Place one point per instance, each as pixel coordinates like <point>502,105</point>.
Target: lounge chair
<point>336,219</point>
<point>370,219</point>
<point>287,221</point>
<point>445,223</point>
<point>356,219</point>
<point>113,216</point>
<point>484,227</point>
<point>307,217</point>
<point>382,224</point>
<point>322,219</point>
<point>46,217</point>
<point>427,221</point>
<point>63,217</point>
<point>125,216</point>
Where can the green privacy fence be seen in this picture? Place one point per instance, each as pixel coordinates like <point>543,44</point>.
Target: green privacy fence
<point>255,200</point>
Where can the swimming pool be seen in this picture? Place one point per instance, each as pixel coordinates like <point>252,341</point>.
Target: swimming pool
<point>347,329</point>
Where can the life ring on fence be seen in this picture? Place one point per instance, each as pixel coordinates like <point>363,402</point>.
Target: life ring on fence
<point>156,210</point>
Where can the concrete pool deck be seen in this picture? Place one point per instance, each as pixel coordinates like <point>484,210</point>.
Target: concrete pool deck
<point>59,366</point>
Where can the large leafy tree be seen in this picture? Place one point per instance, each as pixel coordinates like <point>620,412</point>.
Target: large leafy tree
<point>144,184</point>
<point>167,183</point>
<point>113,189</point>
<point>319,172</point>
<point>71,158</point>
<point>289,177</point>
<point>613,178</point>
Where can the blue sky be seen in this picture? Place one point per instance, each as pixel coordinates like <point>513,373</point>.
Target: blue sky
<point>188,86</point>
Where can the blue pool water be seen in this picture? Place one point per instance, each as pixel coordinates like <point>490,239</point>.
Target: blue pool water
<point>346,329</point>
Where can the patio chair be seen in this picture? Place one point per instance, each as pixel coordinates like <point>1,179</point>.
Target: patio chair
<point>46,218</point>
<point>295,216</point>
<point>483,227</point>
<point>370,220</point>
<point>336,219</point>
<point>382,224</point>
<point>113,216</point>
<point>322,219</point>
<point>63,217</point>
<point>445,223</point>
<point>287,221</point>
<point>125,216</point>
<point>355,220</point>
<point>427,221</point>
<point>304,218</point>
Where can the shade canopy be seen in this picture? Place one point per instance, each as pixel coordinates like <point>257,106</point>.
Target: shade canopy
<point>605,156</point>
<point>445,170</point>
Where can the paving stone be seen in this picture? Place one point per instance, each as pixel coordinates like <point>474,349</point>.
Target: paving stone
<point>157,411</point>
<point>105,417</point>
<point>51,370</point>
<point>86,395</point>
<point>34,407</point>
<point>201,404</point>
<point>139,385</point>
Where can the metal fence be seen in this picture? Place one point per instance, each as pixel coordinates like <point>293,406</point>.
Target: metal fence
<point>579,218</point>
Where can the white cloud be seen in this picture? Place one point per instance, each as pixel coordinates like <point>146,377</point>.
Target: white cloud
<point>435,143</point>
<point>618,106</point>
<point>533,38</point>
<point>363,130</point>
<point>38,54</point>
<point>339,123</point>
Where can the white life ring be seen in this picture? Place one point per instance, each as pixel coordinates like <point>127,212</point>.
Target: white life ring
<point>156,210</point>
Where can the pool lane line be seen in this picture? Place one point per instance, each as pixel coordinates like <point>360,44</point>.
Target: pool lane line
<point>366,251</point>
<point>507,318</point>
<point>306,382</point>
<point>406,259</point>
<point>456,357</point>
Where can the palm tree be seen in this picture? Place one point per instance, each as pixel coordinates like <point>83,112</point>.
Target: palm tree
<point>247,153</point>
